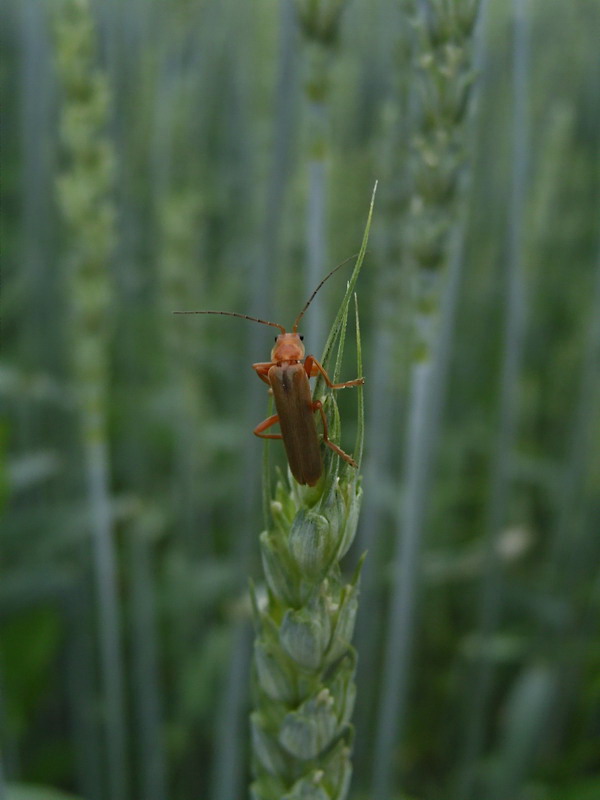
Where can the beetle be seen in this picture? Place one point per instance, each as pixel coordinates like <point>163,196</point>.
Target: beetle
<point>287,375</point>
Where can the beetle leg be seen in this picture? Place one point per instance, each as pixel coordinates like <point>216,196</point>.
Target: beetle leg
<point>318,406</point>
<point>266,423</point>
<point>313,367</point>
<point>262,370</point>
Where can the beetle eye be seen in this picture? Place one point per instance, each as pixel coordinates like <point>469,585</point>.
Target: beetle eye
<point>301,338</point>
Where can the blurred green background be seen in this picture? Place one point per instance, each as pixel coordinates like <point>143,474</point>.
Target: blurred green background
<point>208,154</point>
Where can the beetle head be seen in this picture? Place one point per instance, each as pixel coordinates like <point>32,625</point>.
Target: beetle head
<point>288,347</point>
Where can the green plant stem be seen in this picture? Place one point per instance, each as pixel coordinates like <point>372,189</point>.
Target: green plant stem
<point>428,383</point>
<point>490,605</point>
<point>111,659</point>
<point>146,693</point>
<point>80,674</point>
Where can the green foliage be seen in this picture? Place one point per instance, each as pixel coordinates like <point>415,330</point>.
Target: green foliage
<point>157,156</point>
<point>27,653</point>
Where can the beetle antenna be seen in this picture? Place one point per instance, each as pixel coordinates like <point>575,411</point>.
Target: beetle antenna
<point>312,297</point>
<point>234,314</point>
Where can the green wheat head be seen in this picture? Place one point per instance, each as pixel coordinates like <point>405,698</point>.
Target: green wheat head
<point>304,662</point>
<point>444,63</point>
<point>85,198</point>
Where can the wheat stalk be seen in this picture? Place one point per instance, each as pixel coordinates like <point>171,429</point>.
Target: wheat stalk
<point>444,60</point>
<point>84,193</point>
<point>304,662</point>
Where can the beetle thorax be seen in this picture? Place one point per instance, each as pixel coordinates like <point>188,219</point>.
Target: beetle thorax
<point>288,347</point>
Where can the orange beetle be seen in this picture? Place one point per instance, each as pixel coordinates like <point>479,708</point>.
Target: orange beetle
<point>287,375</point>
